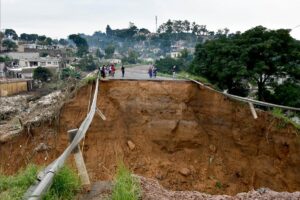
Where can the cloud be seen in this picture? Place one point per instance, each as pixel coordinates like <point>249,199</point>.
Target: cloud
<point>59,18</point>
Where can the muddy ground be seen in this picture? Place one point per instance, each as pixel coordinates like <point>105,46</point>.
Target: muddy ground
<point>184,136</point>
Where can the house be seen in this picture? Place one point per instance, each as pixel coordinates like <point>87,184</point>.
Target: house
<point>113,61</point>
<point>175,54</point>
<point>23,64</point>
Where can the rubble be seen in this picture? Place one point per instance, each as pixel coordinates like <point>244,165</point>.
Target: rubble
<point>28,112</point>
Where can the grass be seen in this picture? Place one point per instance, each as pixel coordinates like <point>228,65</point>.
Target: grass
<point>277,112</point>
<point>126,187</point>
<point>65,185</point>
<point>14,187</point>
<point>89,79</point>
<point>218,185</point>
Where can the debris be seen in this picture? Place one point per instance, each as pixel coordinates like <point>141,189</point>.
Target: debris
<point>212,148</point>
<point>131,145</point>
<point>185,172</point>
<point>41,147</point>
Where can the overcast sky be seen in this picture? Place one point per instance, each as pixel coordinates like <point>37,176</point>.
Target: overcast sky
<point>59,18</point>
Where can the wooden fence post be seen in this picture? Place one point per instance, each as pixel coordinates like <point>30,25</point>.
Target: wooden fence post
<point>84,177</point>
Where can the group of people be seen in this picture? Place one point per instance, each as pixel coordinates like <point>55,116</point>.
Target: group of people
<point>108,70</point>
<point>152,71</point>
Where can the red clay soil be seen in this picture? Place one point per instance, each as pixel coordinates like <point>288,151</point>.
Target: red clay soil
<point>185,136</point>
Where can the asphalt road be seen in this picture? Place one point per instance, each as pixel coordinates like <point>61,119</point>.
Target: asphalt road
<point>138,73</point>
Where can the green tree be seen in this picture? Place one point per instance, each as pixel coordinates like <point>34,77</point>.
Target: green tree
<point>165,65</point>
<point>87,63</point>
<point>63,42</point>
<point>41,73</point>
<point>29,37</point>
<point>257,56</point>
<point>109,51</point>
<point>132,57</point>
<point>10,45</point>
<point>187,25</point>
<point>11,33</point>
<point>287,94</point>
<point>109,31</point>
<point>99,54</point>
<point>69,73</point>
<point>81,44</point>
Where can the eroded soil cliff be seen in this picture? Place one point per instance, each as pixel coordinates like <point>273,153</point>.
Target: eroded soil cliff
<point>185,136</point>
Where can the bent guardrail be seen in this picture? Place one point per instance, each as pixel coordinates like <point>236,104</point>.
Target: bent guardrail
<point>247,100</point>
<point>45,178</point>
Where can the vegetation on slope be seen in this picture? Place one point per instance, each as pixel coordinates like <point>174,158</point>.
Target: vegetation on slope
<point>126,187</point>
<point>65,185</point>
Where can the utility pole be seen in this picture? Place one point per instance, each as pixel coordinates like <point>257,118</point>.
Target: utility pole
<point>155,23</point>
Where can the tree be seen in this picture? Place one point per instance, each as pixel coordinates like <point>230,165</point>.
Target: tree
<point>268,54</point>
<point>109,51</point>
<point>256,56</point>
<point>10,45</point>
<point>81,44</point>
<point>287,94</point>
<point>29,37</point>
<point>87,63</point>
<point>165,65</point>
<point>41,73</point>
<point>109,31</point>
<point>63,42</point>
<point>99,54</point>
<point>48,41</point>
<point>41,38</point>
<point>186,25</point>
<point>178,26</point>
<point>11,33</point>
<point>169,26</point>
<point>69,73</point>
<point>132,57</point>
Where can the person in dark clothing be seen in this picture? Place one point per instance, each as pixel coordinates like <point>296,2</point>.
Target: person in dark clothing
<point>103,71</point>
<point>123,71</point>
<point>154,71</point>
<point>150,71</point>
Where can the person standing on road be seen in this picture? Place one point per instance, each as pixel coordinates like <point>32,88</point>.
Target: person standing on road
<point>154,71</point>
<point>150,70</point>
<point>113,69</point>
<point>174,71</point>
<point>103,71</point>
<point>123,71</point>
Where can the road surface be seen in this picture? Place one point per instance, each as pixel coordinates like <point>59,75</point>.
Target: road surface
<point>137,72</point>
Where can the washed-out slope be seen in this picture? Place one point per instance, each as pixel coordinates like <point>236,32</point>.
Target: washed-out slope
<point>185,136</point>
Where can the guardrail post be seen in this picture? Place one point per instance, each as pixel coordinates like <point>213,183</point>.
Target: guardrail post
<point>253,110</point>
<point>84,177</point>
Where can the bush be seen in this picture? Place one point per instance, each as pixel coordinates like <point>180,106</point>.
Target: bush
<point>126,186</point>
<point>67,72</point>
<point>41,73</point>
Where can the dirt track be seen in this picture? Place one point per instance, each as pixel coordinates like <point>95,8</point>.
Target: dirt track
<point>186,137</point>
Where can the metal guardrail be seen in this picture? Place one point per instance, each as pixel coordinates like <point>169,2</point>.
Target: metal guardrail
<point>45,178</point>
<point>247,100</point>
